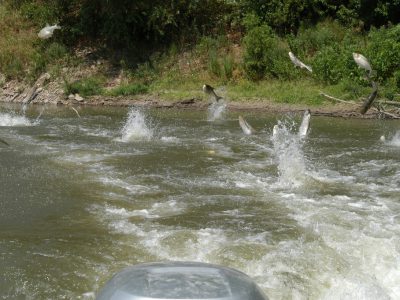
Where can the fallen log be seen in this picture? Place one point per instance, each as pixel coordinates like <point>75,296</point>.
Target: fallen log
<point>393,116</point>
<point>393,103</point>
<point>36,88</point>
<point>334,98</point>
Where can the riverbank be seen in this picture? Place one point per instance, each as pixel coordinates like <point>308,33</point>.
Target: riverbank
<point>53,94</point>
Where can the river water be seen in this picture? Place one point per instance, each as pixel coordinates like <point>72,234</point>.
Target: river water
<point>82,198</point>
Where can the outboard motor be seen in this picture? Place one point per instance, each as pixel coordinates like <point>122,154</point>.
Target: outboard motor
<point>180,280</point>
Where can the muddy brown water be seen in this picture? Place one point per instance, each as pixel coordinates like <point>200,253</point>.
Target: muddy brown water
<point>80,199</point>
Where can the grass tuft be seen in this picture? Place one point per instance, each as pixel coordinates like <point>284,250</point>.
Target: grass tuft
<point>128,90</point>
<point>85,87</point>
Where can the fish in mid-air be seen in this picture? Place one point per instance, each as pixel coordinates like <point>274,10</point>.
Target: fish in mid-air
<point>305,123</point>
<point>247,129</point>
<point>297,62</point>
<point>362,61</point>
<point>47,31</point>
<point>209,90</point>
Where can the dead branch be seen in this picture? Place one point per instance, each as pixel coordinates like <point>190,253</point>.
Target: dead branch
<point>387,114</point>
<point>393,103</point>
<point>76,111</point>
<point>336,99</point>
<point>36,88</point>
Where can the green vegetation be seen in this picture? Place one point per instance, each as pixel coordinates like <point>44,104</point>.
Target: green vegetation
<point>85,87</point>
<point>172,47</point>
<point>128,90</point>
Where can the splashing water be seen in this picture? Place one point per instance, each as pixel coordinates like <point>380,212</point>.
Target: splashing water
<point>136,127</point>
<point>216,111</point>
<point>291,161</point>
<point>40,115</point>
<point>395,141</point>
<point>11,119</point>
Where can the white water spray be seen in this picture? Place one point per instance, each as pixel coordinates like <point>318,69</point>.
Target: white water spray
<point>12,119</point>
<point>291,161</point>
<point>216,111</point>
<point>136,127</point>
<point>395,141</point>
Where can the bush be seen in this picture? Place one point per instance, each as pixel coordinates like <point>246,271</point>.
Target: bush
<point>335,63</point>
<point>55,51</point>
<point>266,55</point>
<point>39,13</point>
<point>384,51</point>
<point>85,87</point>
<point>128,90</point>
<point>214,67</point>
<point>228,66</point>
<point>311,39</point>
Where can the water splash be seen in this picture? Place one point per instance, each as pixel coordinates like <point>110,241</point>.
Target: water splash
<point>395,141</point>
<point>37,120</point>
<point>216,111</point>
<point>12,119</point>
<point>291,161</point>
<point>136,127</point>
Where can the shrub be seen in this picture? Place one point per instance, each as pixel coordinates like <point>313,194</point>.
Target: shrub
<point>265,54</point>
<point>228,66</point>
<point>311,39</point>
<point>39,12</point>
<point>384,51</point>
<point>329,64</point>
<point>128,90</point>
<point>214,67</point>
<point>85,87</point>
<point>55,51</point>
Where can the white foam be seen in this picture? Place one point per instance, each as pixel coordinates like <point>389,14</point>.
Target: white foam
<point>216,111</point>
<point>170,139</point>
<point>10,119</point>
<point>395,141</point>
<point>136,127</point>
<point>291,161</point>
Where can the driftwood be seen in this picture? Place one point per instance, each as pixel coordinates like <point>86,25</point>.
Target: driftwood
<point>36,88</point>
<point>393,103</point>
<point>76,111</point>
<point>335,99</point>
<point>381,111</point>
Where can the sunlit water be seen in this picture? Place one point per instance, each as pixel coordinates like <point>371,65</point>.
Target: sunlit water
<point>82,198</point>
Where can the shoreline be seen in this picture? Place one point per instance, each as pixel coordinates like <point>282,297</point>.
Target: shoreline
<point>52,94</point>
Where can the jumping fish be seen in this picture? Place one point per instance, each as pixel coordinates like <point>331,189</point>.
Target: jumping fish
<point>303,129</point>
<point>298,63</point>
<point>247,129</point>
<point>209,90</point>
<point>362,62</point>
<point>4,142</point>
<point>275,131</point>
<point>47,31</point>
